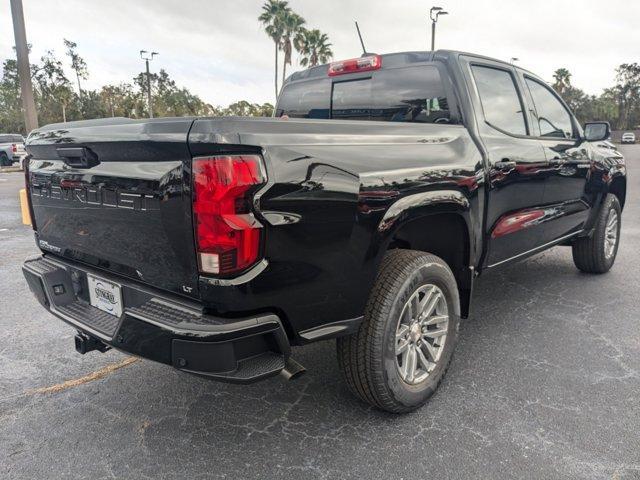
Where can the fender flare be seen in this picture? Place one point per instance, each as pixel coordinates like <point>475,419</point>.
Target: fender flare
<point>613,175</point>
<point>418,205</point>
<point>421,205</point>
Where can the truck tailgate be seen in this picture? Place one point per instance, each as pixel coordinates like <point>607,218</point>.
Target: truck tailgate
<point>116,194</point>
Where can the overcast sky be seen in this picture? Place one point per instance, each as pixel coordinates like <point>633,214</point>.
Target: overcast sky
<point>218,50</point>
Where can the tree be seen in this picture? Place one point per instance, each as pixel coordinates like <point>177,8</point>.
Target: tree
<point>562,78</point>
<point>271,18</point>
<point>243,108</point>
<point>314,47</point>
<point>588,107</point>
<point>121,100</point>
<point>292,24</point>
<point>608,106</point>
<point>169,99</point>
<point>111,96</point>
<point>77,62</point>
<point>64,97</point>
<point>10,105</point>
<point>57,101</point>
<point>628,90</point>
<point>92,106</point>
<point>53,91</point>
<point>264,110</point>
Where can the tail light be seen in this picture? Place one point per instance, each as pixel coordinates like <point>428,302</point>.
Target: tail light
<point>14,148</point>
<point>362,64</point>
<point>228,236</point>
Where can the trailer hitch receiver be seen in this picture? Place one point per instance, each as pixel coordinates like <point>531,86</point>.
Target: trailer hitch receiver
<point>86,343</point>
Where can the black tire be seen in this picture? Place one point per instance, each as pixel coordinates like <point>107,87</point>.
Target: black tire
<point>368,357</point>
<point>590,253</point>
<point>4,160</point>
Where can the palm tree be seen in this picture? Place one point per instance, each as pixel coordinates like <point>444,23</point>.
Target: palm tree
<point>562,78</point>
<point>292,24</point>
<point>271,18</point>
<point>314,47</point>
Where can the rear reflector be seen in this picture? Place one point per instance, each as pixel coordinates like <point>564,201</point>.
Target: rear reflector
<point>25,200</point>
<point>363,64</point>
<point>24,206</point>
<point>228,236</point>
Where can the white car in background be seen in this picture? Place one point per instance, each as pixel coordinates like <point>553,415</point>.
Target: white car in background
<point>628,137</point>
<point>11,149</point>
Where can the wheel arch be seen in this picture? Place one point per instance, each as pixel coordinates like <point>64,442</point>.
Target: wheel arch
<point>618,187</point>
<point>437,223</point>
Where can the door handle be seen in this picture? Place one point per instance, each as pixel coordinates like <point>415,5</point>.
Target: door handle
<point>79,157</point>
<point>505,164</point>
<point>557,161</point>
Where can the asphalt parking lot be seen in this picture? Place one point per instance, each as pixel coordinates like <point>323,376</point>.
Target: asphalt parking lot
<point>545,383</point>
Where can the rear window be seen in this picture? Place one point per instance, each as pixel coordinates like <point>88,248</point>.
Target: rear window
<point>11,139</point>
<point>309,99</point>
<point>408,94</point>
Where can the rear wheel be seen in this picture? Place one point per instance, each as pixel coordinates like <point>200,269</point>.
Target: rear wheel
<point>404,345</point>
<point>597,253</point>
<point>4,160</point>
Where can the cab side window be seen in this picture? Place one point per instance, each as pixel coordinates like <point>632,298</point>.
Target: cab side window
<point>500,101</point>
<point>552,118</point>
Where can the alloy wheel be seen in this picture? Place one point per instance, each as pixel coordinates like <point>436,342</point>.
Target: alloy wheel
<point>421,334</point>
<point>611,234</point>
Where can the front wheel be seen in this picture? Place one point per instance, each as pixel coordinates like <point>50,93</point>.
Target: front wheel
<point>597,253</point>
<point>400,353</point>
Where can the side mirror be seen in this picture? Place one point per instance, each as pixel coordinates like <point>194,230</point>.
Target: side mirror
<point>597,131</point>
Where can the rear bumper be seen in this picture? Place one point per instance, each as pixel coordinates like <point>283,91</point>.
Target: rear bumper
<point>165,329</point>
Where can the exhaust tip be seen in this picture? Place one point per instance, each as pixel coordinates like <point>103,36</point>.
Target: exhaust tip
<point>292,370</point>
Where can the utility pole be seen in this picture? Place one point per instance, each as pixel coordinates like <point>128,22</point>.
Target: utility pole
<point>434,13</point>
<point>147,60</point>
<point>24,71</point>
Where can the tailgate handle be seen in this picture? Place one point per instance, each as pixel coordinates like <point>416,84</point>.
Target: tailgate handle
<point>80,157</point>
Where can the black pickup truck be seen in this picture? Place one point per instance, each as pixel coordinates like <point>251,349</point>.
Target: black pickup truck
<point>364,211</point>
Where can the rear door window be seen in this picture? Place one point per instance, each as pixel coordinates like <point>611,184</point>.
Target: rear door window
<point>500,101</point>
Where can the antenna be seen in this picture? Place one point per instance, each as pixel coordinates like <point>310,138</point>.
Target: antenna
<point>364,50</point>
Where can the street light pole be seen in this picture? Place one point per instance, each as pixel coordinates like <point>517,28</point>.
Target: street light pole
<point>146,61</point>
<point>434,13</point>
<point>24,72</point>
<point>433,35</point>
